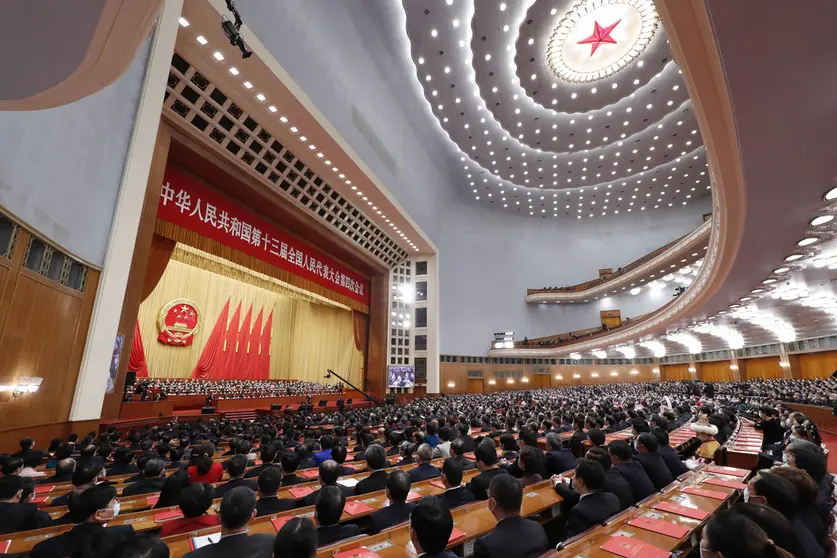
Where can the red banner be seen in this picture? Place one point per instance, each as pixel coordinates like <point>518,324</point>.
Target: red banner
<point>189,204</point>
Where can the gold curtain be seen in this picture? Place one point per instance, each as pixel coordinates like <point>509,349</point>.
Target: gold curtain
<point>717,371</point>
<point>818,365</point>
<point>765,368</point>
<point>308,337</point>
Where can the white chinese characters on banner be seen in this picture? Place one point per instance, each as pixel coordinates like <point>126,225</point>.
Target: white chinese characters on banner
<point>254,236</point>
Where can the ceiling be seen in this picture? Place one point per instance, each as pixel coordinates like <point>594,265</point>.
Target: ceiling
<point>64,51</point>
<point>780,286</point>
<point>554,112</point>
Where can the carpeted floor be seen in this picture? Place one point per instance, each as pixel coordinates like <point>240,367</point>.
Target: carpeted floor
<point>830,441</point>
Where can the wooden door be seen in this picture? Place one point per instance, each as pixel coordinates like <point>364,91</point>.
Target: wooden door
<point>475,385</point>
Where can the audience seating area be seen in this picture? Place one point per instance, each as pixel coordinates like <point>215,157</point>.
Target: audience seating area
<point>517,436</point>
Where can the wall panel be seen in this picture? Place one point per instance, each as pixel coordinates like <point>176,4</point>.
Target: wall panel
<point>717,371</point>
<point>675,372</point>
<point>818,365</point>
<point>765,368</point>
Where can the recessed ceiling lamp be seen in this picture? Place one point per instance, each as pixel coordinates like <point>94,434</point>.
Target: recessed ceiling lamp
<point>768,281</point>
<point>184,22</point>
<point>794,257</point>
<point>217,56</point>
<point>830,195</point>
<point>201,39</point>
<point>807,241</point>
<point>821,220</point>
<point>781,270</point>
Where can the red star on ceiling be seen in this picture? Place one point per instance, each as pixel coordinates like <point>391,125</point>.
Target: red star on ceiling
<point>600,35</point>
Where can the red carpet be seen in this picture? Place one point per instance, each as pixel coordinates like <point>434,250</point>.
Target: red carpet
<point>830,441</point>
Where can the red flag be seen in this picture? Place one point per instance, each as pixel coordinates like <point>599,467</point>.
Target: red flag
<point>136,360</point>
<point>235,369</point>
<point>264,348</point>
<point>212,357</point>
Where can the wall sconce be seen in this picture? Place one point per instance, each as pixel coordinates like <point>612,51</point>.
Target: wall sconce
<point>26,385</point>
<point>510,381</point>
<point>491,382</point>
<point>634,372</point>
<point>525,380</point>
<point>656,370</point>
<point>733,367</point>
<point>451,384</point>
<point>784,364</point>
<point>559,377</point>
<point>692,369</point>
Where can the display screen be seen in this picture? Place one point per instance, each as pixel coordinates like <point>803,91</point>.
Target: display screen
<point>402,376</point>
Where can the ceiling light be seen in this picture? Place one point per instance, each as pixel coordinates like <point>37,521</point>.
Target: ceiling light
<point>284,120</point>
<point>247,85</point>
<point>821,220</point>
<point>794,257</point>
<point>261,97</point>
<point>830,195</point>
<point>184,22</point>
<point>781,270</point>
<point>434,33</point>
<point>234,70</point>
<point>502,6</point>
<point>217,56</point>
<point>807,241</point>
<point>271,108</point>
<point>201,40</point>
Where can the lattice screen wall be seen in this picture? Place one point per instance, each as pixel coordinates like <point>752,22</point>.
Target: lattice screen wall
<point>215,116</point>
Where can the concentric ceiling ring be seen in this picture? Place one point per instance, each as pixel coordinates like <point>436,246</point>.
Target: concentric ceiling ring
<point>616,30</point>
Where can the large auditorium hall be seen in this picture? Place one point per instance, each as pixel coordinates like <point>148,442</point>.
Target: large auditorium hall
<point>418,278</point>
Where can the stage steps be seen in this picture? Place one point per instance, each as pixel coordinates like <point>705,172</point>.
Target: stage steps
<point>249,414</point>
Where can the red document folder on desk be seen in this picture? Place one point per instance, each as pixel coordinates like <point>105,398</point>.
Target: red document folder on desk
<point>667,528</point>
<point>356,507</point>
<point>671,507</point>
<point>706,493</point>
<point>629,548</point>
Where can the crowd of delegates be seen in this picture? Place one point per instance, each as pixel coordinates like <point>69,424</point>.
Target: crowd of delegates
<point>809,392</point>
<point>161,388</point>
<point>786,507</point>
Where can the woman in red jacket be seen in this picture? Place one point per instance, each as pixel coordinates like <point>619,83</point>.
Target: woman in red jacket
<point>203,468</point>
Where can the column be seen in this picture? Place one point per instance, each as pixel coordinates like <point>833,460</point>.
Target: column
<point>432,330</point>
<point>98,350</point>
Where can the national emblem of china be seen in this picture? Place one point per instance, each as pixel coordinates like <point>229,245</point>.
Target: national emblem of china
<point>178,322</point>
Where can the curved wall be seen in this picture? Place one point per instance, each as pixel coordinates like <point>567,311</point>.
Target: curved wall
<point>61,168</point>
<point>350,61</point>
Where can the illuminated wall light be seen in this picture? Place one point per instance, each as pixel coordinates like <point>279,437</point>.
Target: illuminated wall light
<point>733,367</point>
<point>576,376</point>
<point>614,373</point>
<point>491,382</point>
<point>784,364</point>
<point>510,381</point>
<point>692,369</point>
<point>655,371</point>
<point>451,384</point>
<point>595,374</point>
<point>559,377</point>
<point>634,372</point>
<point>525,380</point>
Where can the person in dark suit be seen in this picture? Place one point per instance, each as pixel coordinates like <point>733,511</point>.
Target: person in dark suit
<point>424,470</point>
<point>236,466</point>
<point>27,449</point>
<point>64,470</point>
<point>15,514</point>
<point>455,494</point>
<point>597,437</point>
<point>468,442</point>
<point>122,464</point>
<point>341,405</point>
<point>290,464</point>
<point>329,507</point>
<point>376,460</point>
<point>92,509</point>
<point>270,458</point>
<point>237,509</point>
<point>328,477</point>
<point>486,456</point>
<point>269,482</point>
<point>296,538</point>
<point>632,471</point>
<point>339,454</point>
<point>431,524</point>
<point>669,454</point>
<point>578,437</point>
<point>586,504</point>
<point>398,510</point>
<point>614,482</point>
<point>655,466</point>
<point>457,452</point>
<point>558,458</point>
<point>153,479</point>
<point>84,477</point>
<point>513,536</point>
<point>194,501</point>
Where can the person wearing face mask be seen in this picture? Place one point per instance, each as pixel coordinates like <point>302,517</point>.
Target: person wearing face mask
<point>513,536</point>
<point>780,494</point>
<point>731,535</point>
<point>92,509</point>
<point>584,503</point>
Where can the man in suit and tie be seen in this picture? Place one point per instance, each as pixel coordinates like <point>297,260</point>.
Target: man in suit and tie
<point>578,437</point>
<point>376,461</point>
<point>17,515</point>
<point>123,463</point>
<point>431,524</point>
<point>457,452</point>
<point>586,504</point>
<point>632,471</point>
<point>513,536</point>
<point>236,465</point>
<point>464,435</point>
<point>270,459</point>
<point>269,482</point>
<point>614,482</point>
<point>486,456</point>
<point>92,510</point>
<point>669,454</point>
<point>655,465</point>
<point>153,479</point>
<point>64,470</point>
<point>290,464</point>
<point>328,477</point>
<point>558,458</point>
<point>339,454</point>
<point>424,470</point>
<point>238,508</point>
<point>329,507</point>
<point>455,494</point>
<point>398,510</point>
